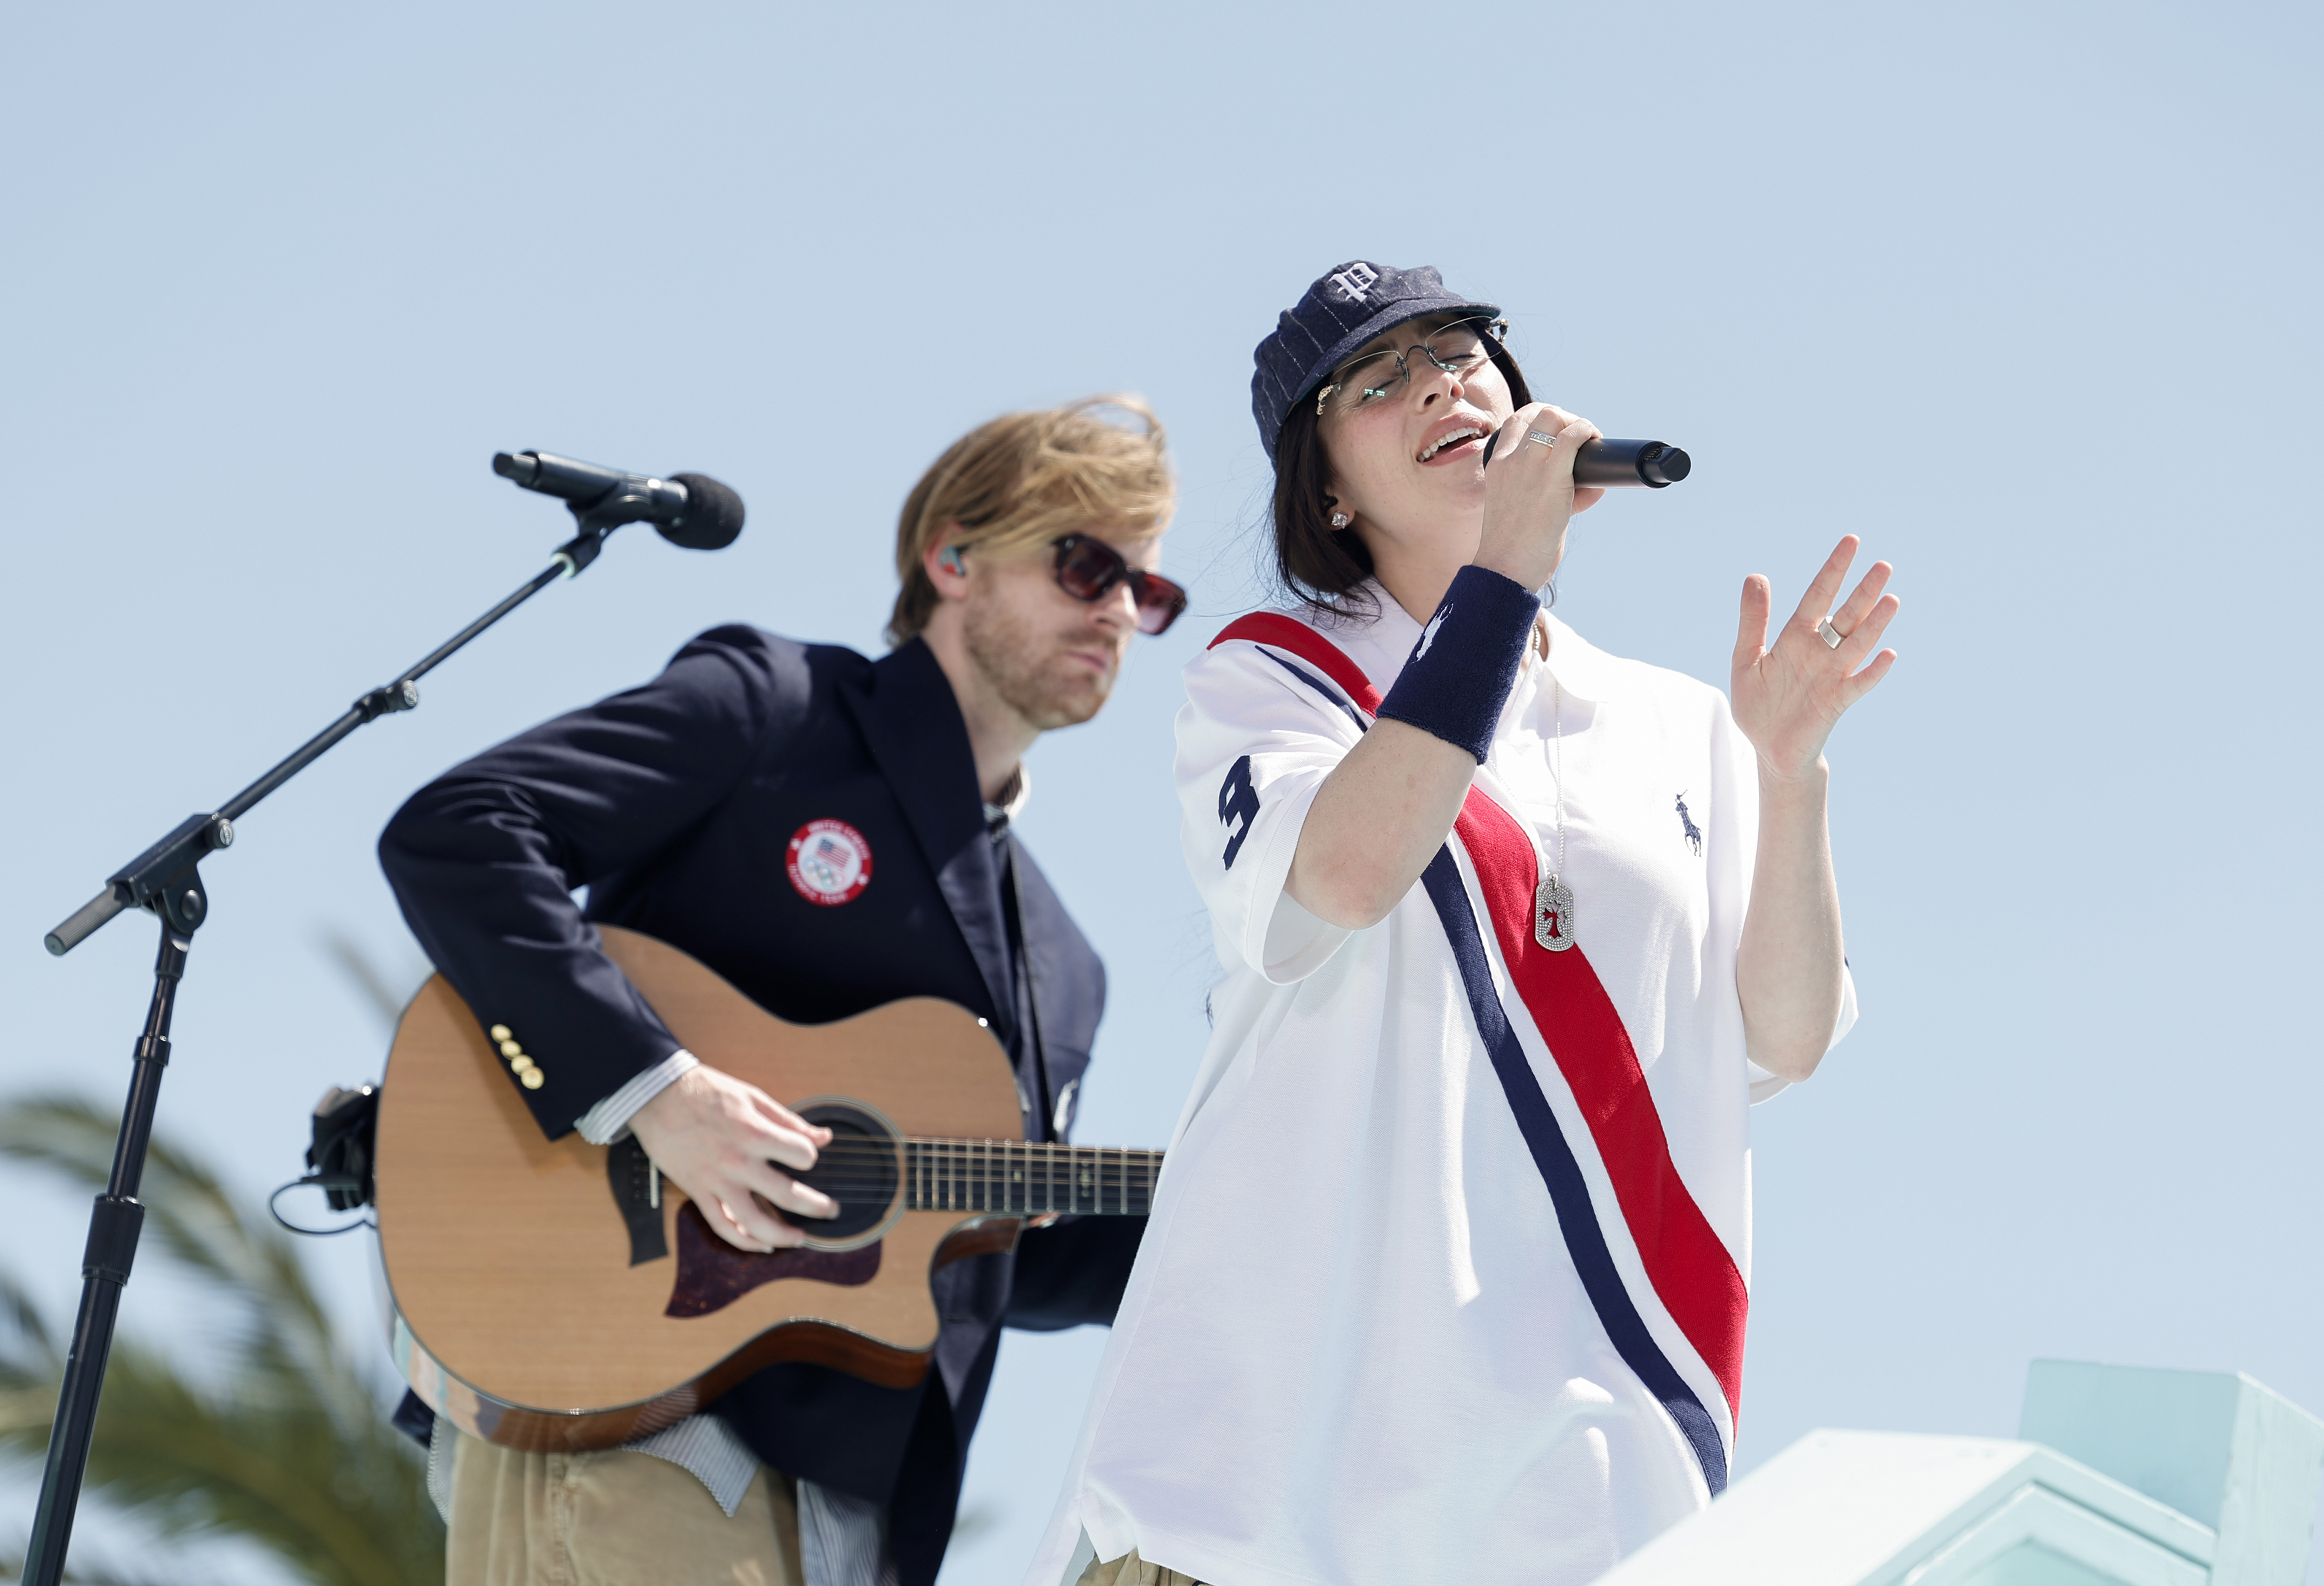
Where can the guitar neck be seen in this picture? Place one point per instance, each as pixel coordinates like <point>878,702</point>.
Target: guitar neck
<point>1020,1179</point>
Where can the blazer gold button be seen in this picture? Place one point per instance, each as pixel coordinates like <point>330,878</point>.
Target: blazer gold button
<point>501,1032</point>
<point>511,1049</point>
<point>531,1078</point>
<point>520,1062</point>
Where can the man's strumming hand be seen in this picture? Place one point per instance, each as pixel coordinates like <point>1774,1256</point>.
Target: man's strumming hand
<point>720,1139</point>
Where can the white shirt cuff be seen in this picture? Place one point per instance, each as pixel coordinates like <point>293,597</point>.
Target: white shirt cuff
<point>609,1120</point>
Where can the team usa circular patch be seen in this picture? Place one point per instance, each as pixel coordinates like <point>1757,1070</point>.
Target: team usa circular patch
<point>829,862</point>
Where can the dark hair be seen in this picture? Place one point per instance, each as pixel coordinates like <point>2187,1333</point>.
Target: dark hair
<point>1316,564</point>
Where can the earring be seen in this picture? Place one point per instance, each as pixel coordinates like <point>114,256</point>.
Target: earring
<point>1340,519</point>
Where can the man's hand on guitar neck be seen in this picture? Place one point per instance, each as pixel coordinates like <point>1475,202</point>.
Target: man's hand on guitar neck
<point>719,1139</point>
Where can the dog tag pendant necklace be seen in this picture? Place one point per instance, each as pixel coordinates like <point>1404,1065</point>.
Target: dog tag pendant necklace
<point>1553,901</point>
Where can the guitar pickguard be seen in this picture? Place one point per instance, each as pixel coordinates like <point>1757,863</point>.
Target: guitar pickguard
<point>712,1274</point>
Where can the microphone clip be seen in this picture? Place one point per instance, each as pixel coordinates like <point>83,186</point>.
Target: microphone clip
<point>630,502</point>
<point>579,551</point>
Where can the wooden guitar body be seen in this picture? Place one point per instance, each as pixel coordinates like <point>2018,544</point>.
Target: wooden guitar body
<point>521,1315</point>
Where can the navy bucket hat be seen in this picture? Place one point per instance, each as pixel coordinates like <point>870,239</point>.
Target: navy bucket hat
<point>1345,309</point>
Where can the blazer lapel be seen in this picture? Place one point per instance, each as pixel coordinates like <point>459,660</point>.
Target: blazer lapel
<point>912,723</point>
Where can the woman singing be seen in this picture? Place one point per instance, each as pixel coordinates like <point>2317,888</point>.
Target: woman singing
<point>1447,1275</point>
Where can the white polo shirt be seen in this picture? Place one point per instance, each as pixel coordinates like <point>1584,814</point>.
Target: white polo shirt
<point>1447,1275</point>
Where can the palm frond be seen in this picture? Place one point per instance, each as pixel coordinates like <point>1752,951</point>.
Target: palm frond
<point>193,1215</point>
<point>11,1568</point>
<point>351,1511</point>
<point>27,1353</point>
<point>290,1449</point>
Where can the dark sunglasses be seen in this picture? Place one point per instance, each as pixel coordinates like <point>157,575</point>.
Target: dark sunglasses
<point>1090,570</point>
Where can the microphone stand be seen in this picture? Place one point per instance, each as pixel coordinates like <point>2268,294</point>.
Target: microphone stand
<point>165,880</point>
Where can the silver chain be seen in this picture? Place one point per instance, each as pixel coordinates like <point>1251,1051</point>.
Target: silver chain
<point>1552,899</point>
<point>1557,769</point>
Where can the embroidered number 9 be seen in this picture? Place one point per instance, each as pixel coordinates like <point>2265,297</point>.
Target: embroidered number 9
<point>1237,800</point>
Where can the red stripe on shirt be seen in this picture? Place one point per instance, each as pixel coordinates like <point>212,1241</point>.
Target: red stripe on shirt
<point>1690,1266</point>
<point>1288,633</point>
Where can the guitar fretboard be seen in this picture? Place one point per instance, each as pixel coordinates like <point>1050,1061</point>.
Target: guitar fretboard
<point>1019,1179</point>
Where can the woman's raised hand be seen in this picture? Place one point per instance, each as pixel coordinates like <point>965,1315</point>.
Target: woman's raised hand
<point>1530,494</point>
<point>1788,697</point>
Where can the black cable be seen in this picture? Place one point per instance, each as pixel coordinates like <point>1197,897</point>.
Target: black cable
<point>326,1181</point>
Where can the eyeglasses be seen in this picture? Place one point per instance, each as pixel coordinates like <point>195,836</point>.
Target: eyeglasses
<point>1457,348</point>
<point>1088,568</point>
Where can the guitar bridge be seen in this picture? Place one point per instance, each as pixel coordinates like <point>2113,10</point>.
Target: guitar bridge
<point>637,1195</point>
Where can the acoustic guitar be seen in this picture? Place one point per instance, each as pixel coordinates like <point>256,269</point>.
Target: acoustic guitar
<point>555,1296</point>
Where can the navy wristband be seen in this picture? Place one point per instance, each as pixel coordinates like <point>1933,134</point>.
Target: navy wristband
<point>1459,676</point>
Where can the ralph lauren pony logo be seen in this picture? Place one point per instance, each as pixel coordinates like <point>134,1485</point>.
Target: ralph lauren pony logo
<point>1693,832</point>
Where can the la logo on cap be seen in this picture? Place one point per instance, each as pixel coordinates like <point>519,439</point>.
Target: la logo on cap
<point>1354,281</point>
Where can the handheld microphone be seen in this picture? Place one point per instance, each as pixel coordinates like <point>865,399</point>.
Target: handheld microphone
<point>691,509</point>
<point>1617,464</point>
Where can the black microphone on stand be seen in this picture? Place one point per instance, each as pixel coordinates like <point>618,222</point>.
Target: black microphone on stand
<point>691,509</point>
<point>1615,464</point>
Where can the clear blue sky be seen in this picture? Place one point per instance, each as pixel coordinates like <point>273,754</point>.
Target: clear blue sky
<point>2025,295</point>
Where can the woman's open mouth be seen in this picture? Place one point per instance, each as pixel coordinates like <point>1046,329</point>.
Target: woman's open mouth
<point>1462,440</point>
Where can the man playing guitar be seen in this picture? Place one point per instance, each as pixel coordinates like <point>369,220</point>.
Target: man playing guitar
<point>829,834</point>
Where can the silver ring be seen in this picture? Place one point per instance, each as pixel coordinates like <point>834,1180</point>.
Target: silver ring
<point>1543,437</point>
<point>1831,635</point>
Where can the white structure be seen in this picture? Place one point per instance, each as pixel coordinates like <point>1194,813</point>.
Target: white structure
<point>2120,1477</point>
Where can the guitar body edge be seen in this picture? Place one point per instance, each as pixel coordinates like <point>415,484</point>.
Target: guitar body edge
<point>481,1416</point>
<point>811,1343</point>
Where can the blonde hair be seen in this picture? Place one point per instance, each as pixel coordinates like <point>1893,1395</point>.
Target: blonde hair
<point>1026,479</point>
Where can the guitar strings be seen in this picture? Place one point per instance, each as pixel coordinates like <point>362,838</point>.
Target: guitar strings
<point>927,1142</point>
<point>982,1170</point>
<point>975,1160</point>
<point>1057,1153</point>
<point>866,1170</point>
<point>877,1166</point>
<point>956,1172</point>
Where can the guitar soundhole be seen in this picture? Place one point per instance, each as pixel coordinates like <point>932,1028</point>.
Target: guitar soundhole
<point>859,1168</point>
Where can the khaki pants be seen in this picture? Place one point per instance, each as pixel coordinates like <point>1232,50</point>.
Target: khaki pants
<point>1129,1570</point>
<point>613,1518</point>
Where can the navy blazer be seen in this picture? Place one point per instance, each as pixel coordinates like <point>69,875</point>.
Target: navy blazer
<point>674,804</point>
